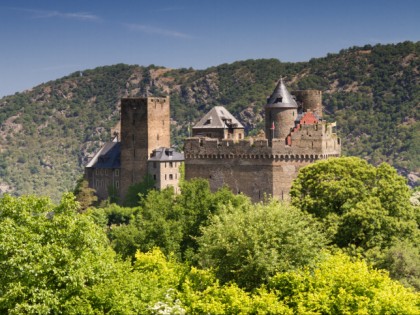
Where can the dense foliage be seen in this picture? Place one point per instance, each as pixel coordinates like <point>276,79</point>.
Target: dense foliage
<point>47,133</point>
<point>250,243</point>
<point>365,210</point>
<point>55,259</point>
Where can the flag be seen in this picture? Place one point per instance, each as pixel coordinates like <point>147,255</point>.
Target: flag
<point>272,126</point>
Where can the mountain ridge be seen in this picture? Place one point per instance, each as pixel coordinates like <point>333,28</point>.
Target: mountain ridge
<point>48,132</point>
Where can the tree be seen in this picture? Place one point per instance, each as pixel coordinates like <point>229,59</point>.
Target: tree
<point>338,285</point>
<point>250,243</point>
<point>169,221</point>
<point>402,262</point>
<point>360,205</point>
<point>84,194</point>
<point>50,256</point>
<point>136,191</point>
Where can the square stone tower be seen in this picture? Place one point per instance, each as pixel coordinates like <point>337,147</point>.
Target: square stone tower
<point>145,126</point>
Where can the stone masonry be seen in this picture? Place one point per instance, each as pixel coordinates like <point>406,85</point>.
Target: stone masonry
<point>295,136</point>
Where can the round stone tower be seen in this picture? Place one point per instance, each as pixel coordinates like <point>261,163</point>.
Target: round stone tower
<point>280,113</point>
<point>310,100</point>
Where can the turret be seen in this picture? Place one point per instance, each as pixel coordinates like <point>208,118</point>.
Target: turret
<point>310,101</point>
<point>280,113</point>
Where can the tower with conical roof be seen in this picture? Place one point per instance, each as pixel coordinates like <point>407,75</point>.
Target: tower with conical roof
<point>295,136</point>
<point>280,113</point>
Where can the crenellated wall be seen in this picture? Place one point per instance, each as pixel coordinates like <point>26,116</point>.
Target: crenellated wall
<point>253,166</point>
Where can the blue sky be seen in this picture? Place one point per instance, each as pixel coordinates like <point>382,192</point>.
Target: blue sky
<point>45,40</point>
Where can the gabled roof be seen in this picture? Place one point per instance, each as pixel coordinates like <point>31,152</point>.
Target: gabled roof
<point>107,157</point>
<point>218,117</point>
<point>166,155</point>
<point>281,97</point>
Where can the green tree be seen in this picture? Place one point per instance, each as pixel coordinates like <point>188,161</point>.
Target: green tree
<point>51,257</point>
<point>169,221</point>
<point>402,261</point>
<point>85,195</point>
<point>136,191</point>
<point>338,285</point>
<point>359,205</point>
<point>248,244</point>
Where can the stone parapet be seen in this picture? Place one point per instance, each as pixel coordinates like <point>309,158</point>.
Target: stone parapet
<point>307,142</point>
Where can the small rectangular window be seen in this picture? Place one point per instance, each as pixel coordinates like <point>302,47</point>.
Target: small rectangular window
<point>171,164</point>
<point>117,184</point>
<point>171,176</point>
<point>117,172</point>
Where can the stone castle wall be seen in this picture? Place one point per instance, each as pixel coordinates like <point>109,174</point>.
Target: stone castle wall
<point>255,166</point>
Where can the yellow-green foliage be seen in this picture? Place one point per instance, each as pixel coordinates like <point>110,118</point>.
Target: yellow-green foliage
<point>338,285</point>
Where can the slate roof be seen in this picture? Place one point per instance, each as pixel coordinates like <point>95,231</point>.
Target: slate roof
<point>218,117</point>
<point>166,155</point>
<point>281,97</point>
<point>107,157</point>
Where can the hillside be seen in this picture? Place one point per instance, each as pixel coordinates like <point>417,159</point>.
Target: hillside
<point>48,132</point>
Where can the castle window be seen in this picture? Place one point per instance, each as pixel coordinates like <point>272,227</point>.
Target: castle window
<point>97,171</point>
<point>117,184</point>
<point>157,137</point>
<point>171,164</point>
<point>117,172</point>
<point>154,177</point>
<point>171,176</point>
<point>165,176</point>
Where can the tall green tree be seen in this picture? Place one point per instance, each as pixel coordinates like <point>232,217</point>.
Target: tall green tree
<point>85,195</point>
<point>50,256</point>
<point>169,221</point>
<point>250,243</point>
<point>360,205</point>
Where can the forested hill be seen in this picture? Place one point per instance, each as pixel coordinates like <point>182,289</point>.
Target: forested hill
<point>48,132</point>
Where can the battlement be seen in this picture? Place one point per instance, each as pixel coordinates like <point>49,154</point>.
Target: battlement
<point>313,141</point>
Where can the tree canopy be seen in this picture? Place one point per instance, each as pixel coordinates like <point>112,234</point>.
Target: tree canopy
<point>248,244</point>
<point>359,204</point>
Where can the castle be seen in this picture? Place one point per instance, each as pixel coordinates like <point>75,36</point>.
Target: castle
<point>140,150</point>
<point>295,135</point>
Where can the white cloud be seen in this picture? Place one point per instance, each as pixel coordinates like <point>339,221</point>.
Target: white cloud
<point>155,30</point>
<point>44,14</point>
